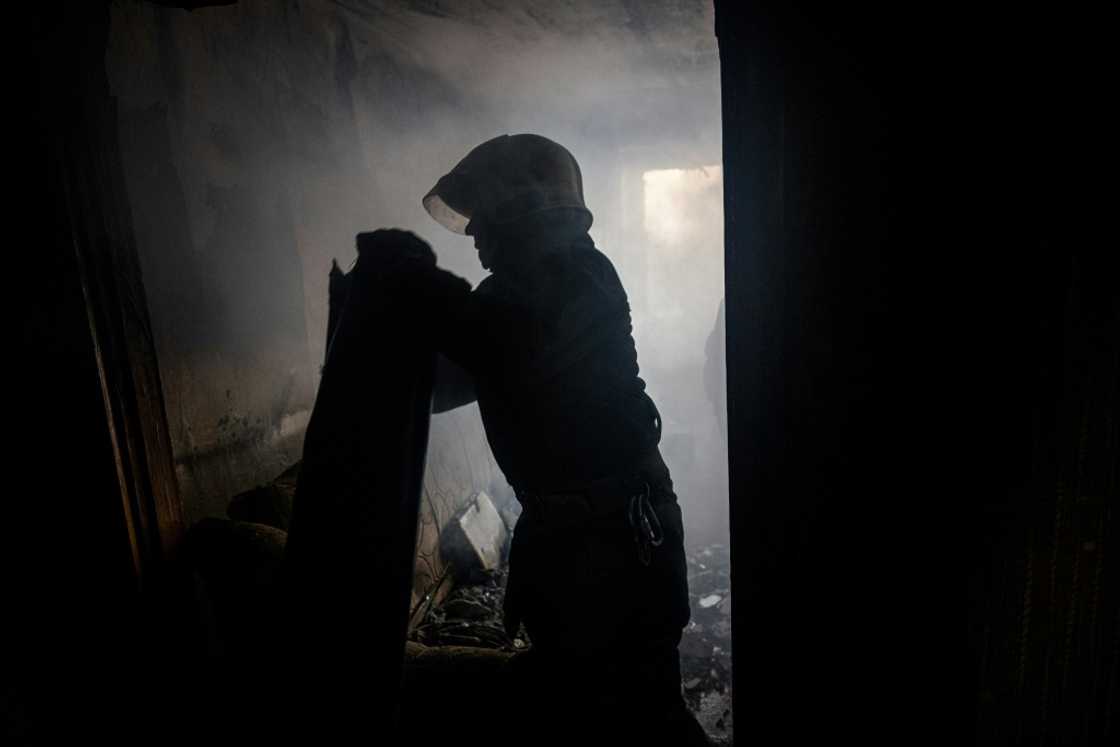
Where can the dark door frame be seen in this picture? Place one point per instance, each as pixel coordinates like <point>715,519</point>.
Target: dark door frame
<point>923,357</point>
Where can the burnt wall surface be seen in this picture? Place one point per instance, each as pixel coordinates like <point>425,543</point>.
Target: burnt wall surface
<point>259,138</point>
<point>248,170</point>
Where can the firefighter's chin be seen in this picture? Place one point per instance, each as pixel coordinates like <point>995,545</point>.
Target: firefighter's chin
<point>485,253</point>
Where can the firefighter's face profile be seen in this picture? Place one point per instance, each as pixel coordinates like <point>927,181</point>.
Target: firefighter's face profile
<point>484,246</point>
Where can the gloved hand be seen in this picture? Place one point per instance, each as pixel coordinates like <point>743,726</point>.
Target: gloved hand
<point>391,250</point>
<point>400,268</point>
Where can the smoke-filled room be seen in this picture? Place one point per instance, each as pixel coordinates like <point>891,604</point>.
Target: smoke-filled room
<point>423,372</point>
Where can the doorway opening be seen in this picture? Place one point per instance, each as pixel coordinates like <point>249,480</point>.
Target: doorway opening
<point>255,146</point>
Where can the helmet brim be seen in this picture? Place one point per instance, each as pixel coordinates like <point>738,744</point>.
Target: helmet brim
<point>444,214</point>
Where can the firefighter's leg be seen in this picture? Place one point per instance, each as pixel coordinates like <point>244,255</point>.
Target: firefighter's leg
<point>605,628</point>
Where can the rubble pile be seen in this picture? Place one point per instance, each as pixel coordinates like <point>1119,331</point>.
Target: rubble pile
<point>471,615</point>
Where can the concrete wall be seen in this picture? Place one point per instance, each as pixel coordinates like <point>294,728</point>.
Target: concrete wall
<point>249,161</point>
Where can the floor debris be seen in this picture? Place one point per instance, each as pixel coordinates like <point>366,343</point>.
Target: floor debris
<point>706,642</point>
<point>471,615</point>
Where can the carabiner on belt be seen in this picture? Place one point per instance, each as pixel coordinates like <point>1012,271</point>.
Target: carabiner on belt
<point>647,527</point>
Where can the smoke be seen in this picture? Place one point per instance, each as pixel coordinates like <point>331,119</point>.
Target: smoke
<point>281,130</point>
<point>677,334</point>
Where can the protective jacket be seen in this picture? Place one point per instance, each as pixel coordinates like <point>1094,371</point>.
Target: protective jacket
<point>548,339</point>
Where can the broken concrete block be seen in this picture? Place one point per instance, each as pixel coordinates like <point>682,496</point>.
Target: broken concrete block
<point>474,539</point>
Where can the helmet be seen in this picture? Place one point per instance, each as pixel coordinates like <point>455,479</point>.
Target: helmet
<point>504,180</point>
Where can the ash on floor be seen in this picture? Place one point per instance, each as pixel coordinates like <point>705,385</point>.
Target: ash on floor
<point>706,643</point>
<point>471,615</point>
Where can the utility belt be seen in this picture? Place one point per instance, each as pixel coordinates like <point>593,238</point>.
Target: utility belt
<point>633,494</point>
